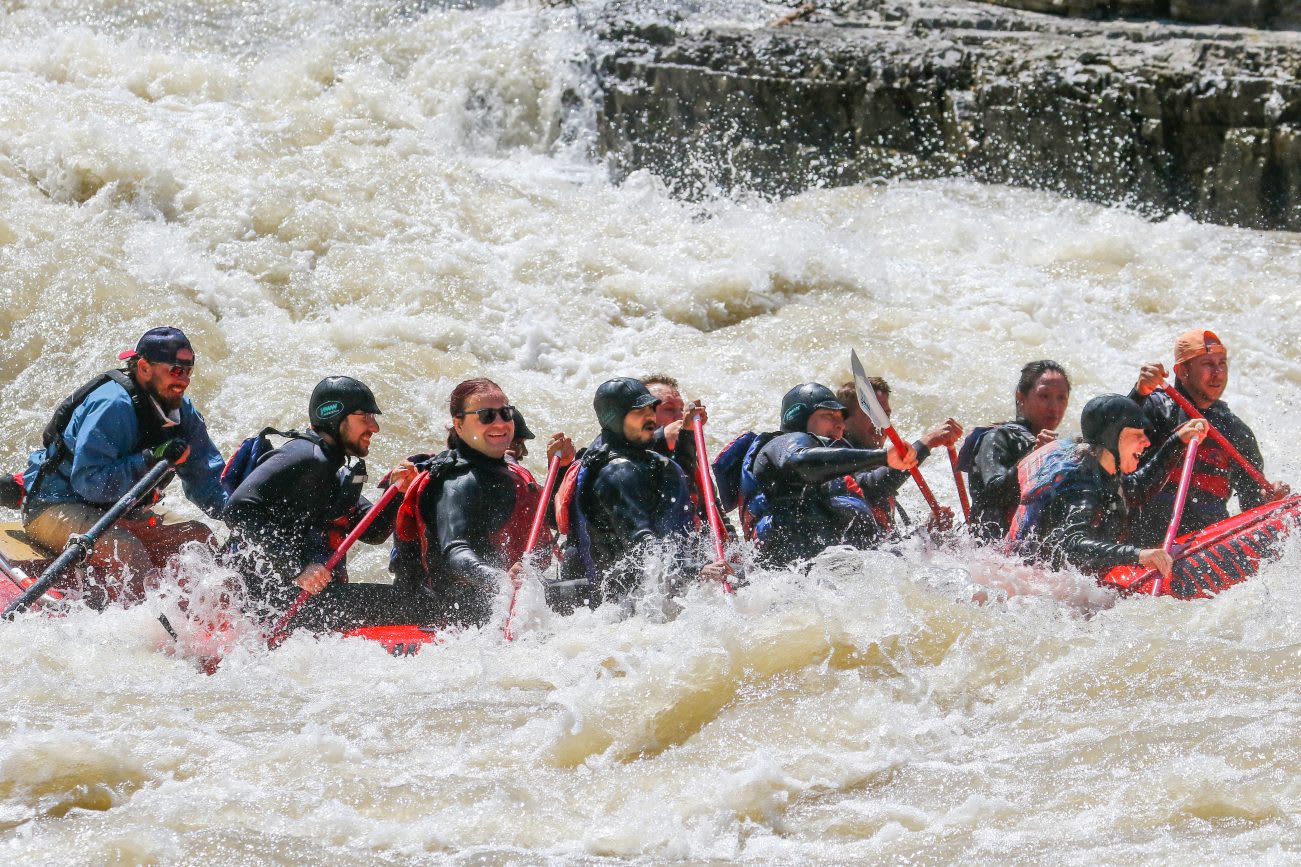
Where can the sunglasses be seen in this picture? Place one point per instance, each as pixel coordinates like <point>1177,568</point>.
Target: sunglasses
<point>179,371</point>
<point>489,415</point>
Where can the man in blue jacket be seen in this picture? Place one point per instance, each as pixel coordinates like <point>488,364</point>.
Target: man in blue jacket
<point>105,438</point>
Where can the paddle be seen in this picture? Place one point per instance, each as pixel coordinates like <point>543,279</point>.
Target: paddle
<point>706,484</point>
<point>80,545</point>
<point>1185,479</point>
<point>553,472</point>
<point>962,487</point>
<point>280,632</point>
<point>1187,406</point>
<point>870,405</point>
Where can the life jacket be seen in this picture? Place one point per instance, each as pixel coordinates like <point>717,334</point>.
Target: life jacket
<point>752,502</point>
<point>971,445</point>
<point>1210,472</point>
<point>149,424</point>
<point>411,539</point>
<point>882,511</point>
<point>512,537</point>
<point>342,514</point>
<point>576,524</point>
<point>414,535</point>
<point>727,470</point>
<point>1043,475</point>
<point>848,501</point>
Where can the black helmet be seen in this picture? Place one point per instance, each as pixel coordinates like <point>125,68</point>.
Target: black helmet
<point>801,401</point>
<point>616,398</point>
<point>522,431</point>
<point>1104,417</point>
<point>335,397</point>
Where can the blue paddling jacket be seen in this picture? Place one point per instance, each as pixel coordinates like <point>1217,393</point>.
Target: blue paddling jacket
<point>103,448</point>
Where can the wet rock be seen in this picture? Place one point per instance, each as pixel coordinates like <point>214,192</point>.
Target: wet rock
<point>1162,117</point>
<point>1242,13</point>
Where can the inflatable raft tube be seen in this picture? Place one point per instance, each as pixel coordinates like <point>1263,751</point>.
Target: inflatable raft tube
<point>28,560</point>
<point>1219,556</point>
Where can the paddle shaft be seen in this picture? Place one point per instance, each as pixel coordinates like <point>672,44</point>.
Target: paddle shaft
<point>80,546</point>
<point>1185,479</point>
<point>553,472</point>
<point>914,472</point>
<point>962,487</point>
<point>1187,406</point>
<point>278,633</point>
<point>706,484</point>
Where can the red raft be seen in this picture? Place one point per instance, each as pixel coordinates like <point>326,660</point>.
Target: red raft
<point>403,640</point>
<point>1218,556</point>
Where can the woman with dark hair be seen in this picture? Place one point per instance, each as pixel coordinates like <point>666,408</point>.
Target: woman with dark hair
<point>990,454</point>
<point>465,520</point>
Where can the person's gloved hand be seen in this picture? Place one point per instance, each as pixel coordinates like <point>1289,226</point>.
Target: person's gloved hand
<point>175,450</point>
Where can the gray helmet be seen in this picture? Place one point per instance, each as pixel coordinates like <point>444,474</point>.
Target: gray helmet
<point>1104,417</point>
<point>801,402</point>
<point>615,398</point>
<point>334,398</point>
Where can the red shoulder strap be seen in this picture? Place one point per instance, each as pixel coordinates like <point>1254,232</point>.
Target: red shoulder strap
<point>565,497</point>
<point>408,526</point>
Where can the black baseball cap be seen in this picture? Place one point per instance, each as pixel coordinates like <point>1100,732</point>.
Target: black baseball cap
<point>162,345</point>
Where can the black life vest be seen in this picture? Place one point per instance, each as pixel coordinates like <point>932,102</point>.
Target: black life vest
<point>151,432</point>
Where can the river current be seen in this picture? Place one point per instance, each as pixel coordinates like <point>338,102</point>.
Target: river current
<point>407,193</point>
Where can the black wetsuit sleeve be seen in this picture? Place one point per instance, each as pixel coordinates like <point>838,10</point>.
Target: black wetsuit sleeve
<point>1145,482</point>
<point>1079,543</point>
<point>459,511</point>
<point>622,494</point>
<point>996,461</point>
<point>793,460</point>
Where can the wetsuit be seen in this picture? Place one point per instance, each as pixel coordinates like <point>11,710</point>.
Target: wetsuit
<point>683,454</point>
<point>1086,522</point>
<point>291,510</point>
<point>630,499</point>
<point>1215,474</point>
<point>792,471</point>
<point>995,490</point>
<point>474,527</point>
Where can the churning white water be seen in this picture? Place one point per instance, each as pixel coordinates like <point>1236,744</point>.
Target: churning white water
<point>405,192</point>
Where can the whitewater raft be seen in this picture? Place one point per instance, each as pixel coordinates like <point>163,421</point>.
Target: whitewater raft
<point>1219,556</point>
<point>28,559</point>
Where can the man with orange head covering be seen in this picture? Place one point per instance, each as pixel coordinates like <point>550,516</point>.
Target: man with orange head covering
<point>1201,373</point>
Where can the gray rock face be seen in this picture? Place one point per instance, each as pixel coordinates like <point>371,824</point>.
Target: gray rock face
<point>1242,13</point>
<point>1162,117</point>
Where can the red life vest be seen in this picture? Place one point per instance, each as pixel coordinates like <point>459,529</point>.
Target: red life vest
<point>514,534</point>
<point>1210,472</point>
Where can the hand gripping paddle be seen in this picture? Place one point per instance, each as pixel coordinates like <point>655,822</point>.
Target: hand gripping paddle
<point>870,405</point>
